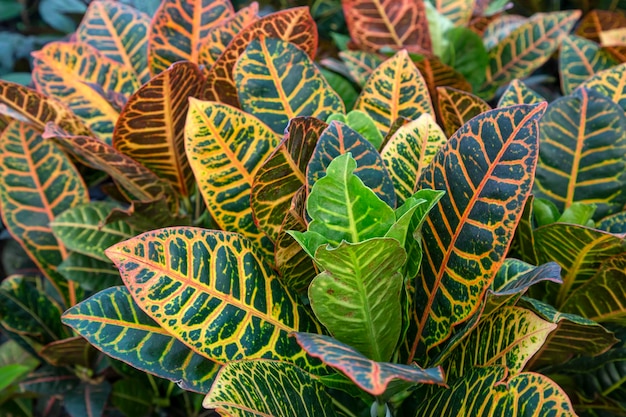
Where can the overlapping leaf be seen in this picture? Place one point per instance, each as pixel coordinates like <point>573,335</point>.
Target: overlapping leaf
<point>527,48</point>
<point>409,151</point>
<point>507,338</point>
<point>578,250</point>
<point>226,147</point>
<point>39,109</point>
<point>487,178</point>
<point>68,352</point>
<point>268,388</point>
<point>360,64</point>
<point>518,93</point>
<point>375,24</point>
<point>293,25</point>
<point>87,400</point>
<point>141,183</point>
<point>90,273</point>
<point>613,224</point>
<point>396,88</point>
<point>579,59</point>
<point>500,27</point>
<point>276,81</point>
<point>218,38</point>
<point>179,27</point>
<point>456,107</point>
<point>283,174</point>
<point>582,156</point>
<point>82,229</point>
<point>37,183</point>
<point>119,32</point>
<point>373,377</point>
<point>458,11</point>
<point>113,323</point>
<point>339,139</point>
<point>437,74</point>
<point>68,72</point>
<point>151,128</point>
<point>486,391</point>
<point>609,83</point>
<point>213,291</point>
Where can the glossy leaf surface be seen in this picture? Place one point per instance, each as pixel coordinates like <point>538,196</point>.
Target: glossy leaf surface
<point>276,81</point>
<point>579,59</point>
<point>518,93</point>
<point>178,28</point>
<point>82,229</point>
<point>396,88</point>
<point>374,24</point>
<point>267,388</point>
<point>527,48</point>
<point>112,322</point>
<point>463,245</point>
<point>293,25</point>
<point>409,151</point>
<point>357,296</point>
<point>151,128</point>
<point>213,291</point>
<point>226,147</point>
<point>582,153</point>
<point>372,377</point>
<point>456,107</point>
<point>118,32</point>
<point>37,183</point>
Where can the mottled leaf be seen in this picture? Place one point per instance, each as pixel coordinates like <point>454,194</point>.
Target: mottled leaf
<point>518,93</point>
<point>360,64</point>
<point>609,83</point>
<point>579,59</point>
<point>615,223</point>
<point>457,107</point>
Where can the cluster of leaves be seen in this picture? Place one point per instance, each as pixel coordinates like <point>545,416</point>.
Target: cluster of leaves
<point>400,248</point>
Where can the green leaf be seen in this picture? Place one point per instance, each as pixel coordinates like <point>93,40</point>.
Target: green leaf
<point>409,151</point>
<point>268,388</point>
<point>83,229</point>
<point>438,27</point>
<point>10,374</point>
<point>344,88</point>
<point>343,208</point>
<point>58,13</point>
<point>87,400</point>
<point>10,9</point>
<point>357,296</point>
<point>580,59</point>
<point>486,169</point>
<point>545,212</point>
<point>410,216</point>
<point>578,213</point>
<point>466,53</point>
<point>371,376</point>
<point>90,273</point>
<point>575,335</point>
<point>276,81</point>
<point>486,391</point>
<point>132,398</point>
<point>213,291</point>
<point>582,154</point>
<point>339,139</point>
<point>509,338</point>
<point>361,123</point>
<point>113,323</point>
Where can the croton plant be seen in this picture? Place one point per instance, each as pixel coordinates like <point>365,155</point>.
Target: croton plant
<point>226,216</point>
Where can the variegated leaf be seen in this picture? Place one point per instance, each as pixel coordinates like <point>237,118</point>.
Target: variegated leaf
<point>360,64</point>
<point>456,107</point>
<point>518,93</point>
<point>609,83</point>
<point>579,59</point>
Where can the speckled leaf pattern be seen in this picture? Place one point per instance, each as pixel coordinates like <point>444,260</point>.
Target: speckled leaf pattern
<point>509,338</point>
<point>67,70</point>
<point>119,32</point>
<point>37,183</point>
<point>578,250</point>
<point>38,109</point>
<point>458,11</point>
<point>396,88</point>
<point>574,335</point>
<point>276,81</point>
<point>112,322</point>
<point>283,174</point>
<point>213,291</point>
<point>456,107</point>
<point>409,151</point>
<point>486,170</point>
<point>374,24</point>
<point>226,147</point>
<point>82,229</point>
<point>487,392</point>
<point>579,59</point>
<point>519,93</point>
<point>218,38</point>
<point>360,64</point>
<point>610,83</point>
<point>614,224</point>
<point>179,27</point>
<point>293,25</point>
<point>603,297</point>
<point>139,182</point>
<point>151,128</point>
<point>527,48</point>
<point>582,153</point>
<point>268,388</point>
<point>371,376</point>
<point>339,139</point>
